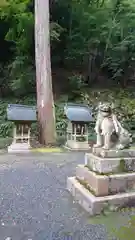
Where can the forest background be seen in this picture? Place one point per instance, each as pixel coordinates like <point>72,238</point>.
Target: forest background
<point>92,56</point>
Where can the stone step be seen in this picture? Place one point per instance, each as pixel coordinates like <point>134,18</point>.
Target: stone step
<point>109,165</point>
<point>19,147</point>
<point>71,144</point>
<point>95,205</point>
<point>103,185</point>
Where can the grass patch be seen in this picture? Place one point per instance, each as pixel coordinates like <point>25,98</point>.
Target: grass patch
<point>120,225</point>
<point>47,150</point>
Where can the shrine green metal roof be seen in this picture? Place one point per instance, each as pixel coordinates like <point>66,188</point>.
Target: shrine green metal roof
<point>17,112</point>
<point>78,113</point>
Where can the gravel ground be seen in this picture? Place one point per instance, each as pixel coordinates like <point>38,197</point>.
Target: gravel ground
<point>35,204</point>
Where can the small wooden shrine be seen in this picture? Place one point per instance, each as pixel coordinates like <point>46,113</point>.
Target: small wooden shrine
<point>22,116</point>
<point>79,116</point>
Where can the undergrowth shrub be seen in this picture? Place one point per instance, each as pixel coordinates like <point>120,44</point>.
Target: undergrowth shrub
<point>124,102</point>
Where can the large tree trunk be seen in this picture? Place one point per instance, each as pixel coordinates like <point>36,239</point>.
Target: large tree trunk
<point>45,104</point>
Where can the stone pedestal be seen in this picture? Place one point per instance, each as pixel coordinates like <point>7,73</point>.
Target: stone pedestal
<point>19,147</point>
<point>113,153</point>
<point>104,180</point>
<point>109,165</point>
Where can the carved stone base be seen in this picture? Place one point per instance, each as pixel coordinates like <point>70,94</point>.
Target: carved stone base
<point>19,147</point>
<point>95,205</point>
<point>103,185</point>
<point>77,145</point>
<point>114,153</point>
<point>109,165</point>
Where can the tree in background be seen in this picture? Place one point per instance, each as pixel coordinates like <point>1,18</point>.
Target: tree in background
<point>45,104</point>
<point>100,45</point>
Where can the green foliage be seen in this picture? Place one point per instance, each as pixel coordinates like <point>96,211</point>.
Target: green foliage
<point>93,36</point>
<point>20,68</point>
<point>61,121</point>
<point>55,31</point>
<point>87,36</point>
<point>105,35</point>
<point>76,82</point>
<point>5,127</point>
<point>18,15</point>
<point>123,100</point>
<point>22,76</point>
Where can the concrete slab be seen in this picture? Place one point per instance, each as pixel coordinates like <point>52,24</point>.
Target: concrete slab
<point>19,148</point>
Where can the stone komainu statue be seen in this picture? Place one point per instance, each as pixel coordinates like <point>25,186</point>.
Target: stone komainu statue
<point>109,130</point>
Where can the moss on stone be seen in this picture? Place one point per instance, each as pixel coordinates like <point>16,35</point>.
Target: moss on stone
<point>86,185</point>
<point>122,167</point>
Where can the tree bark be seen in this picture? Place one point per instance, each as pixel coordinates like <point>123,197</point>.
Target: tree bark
<point>45,103</point>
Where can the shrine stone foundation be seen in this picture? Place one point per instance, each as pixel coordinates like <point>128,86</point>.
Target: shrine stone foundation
<point>107,177</point>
